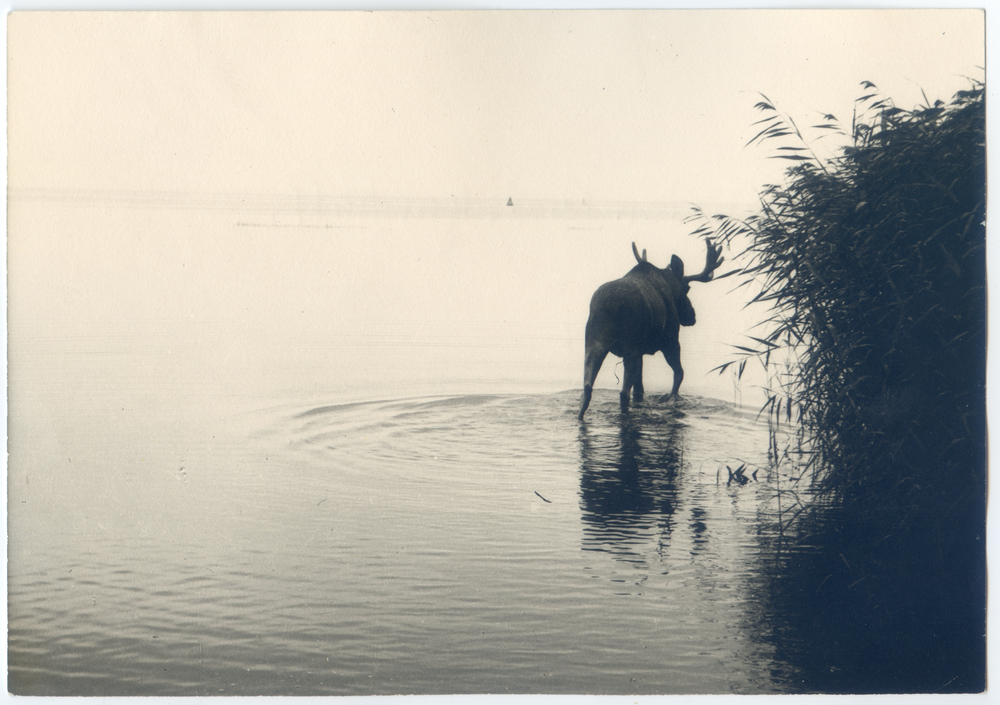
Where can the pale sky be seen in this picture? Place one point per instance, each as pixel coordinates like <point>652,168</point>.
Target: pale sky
<point>633,106</point>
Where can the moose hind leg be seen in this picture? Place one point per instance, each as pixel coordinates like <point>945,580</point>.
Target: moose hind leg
<point>633,377</point>
<point>592,362</point>
<point>672,353</point>
<point>637,389</point>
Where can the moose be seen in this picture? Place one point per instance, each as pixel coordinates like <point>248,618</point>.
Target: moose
<point>641,314</point>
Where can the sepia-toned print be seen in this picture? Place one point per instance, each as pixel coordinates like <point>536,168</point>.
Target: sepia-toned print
<point>619,353</point>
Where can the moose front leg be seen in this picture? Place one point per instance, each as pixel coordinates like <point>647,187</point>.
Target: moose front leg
<point>672,353</point>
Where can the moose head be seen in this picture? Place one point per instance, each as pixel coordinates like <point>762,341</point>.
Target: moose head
<point>641,314</point>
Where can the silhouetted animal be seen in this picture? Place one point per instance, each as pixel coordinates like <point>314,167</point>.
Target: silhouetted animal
<point>641,314</point>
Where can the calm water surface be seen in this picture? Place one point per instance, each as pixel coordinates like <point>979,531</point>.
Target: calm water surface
<point>437,544</point>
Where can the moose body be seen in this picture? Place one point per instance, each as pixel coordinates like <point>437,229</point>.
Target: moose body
<point>641,314</point>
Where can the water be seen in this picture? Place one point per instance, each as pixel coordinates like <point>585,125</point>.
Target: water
<point>286,452</point>
<point>439,544</point>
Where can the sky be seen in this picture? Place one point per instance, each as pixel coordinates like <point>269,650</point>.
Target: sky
<point>625,106</point>
<point>317,181</point>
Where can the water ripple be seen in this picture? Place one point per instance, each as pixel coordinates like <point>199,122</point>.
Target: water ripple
<point>441,544</point>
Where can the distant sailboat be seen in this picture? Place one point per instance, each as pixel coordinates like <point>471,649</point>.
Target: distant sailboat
<point>510,201</point>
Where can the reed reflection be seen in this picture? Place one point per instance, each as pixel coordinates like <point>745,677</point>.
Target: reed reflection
<point>629,489</point>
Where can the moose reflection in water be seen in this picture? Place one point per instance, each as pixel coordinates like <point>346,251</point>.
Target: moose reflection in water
<point>641,314</point>
<point>630,485</point>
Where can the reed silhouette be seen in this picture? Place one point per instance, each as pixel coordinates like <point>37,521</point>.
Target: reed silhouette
<point>872,267</point>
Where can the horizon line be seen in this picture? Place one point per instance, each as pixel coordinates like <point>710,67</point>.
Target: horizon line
<point>507,205</point>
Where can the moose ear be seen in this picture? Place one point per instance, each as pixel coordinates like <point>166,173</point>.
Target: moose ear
<point>677,266</point>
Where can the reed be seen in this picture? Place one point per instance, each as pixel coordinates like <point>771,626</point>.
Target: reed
<point>872,267</point>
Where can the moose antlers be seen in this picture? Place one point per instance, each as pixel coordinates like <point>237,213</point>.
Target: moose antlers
<point>712,262</point>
